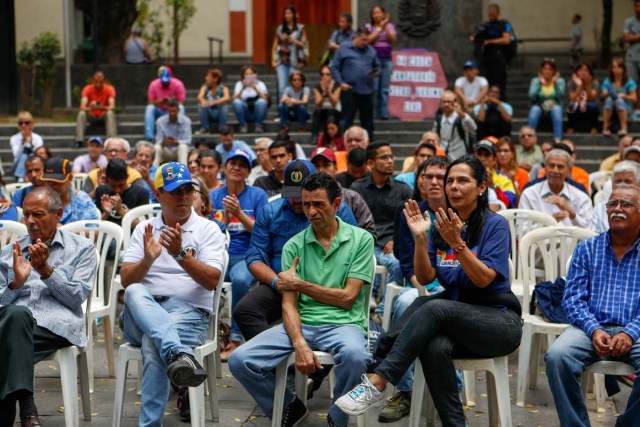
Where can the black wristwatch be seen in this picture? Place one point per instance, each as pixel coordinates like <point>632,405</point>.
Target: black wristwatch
<point>181,255</point>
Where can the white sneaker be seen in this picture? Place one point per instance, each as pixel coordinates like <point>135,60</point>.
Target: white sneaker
<point>363,396</point>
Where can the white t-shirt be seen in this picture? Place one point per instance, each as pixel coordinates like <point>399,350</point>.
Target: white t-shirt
<point>472,89</point>
<point>249,92</point>
<point>166,277</point>
<point>17,146</point>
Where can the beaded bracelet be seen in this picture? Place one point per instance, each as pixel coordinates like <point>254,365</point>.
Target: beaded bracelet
<point>459,248</point>
<point>273,282</point>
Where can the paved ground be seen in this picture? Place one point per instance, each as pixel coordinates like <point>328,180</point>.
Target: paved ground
<point>238,409</point>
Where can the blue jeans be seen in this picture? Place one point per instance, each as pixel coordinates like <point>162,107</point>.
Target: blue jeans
<point>217,114</point>
<point>535,114</point>
<point>567,358</point>
<point>253,364</point>
<point>283,71</point>
<point>162,329</point>
<point>245,115</point>
<point>299,111</point>
<point>381,87</point>
<point>395,273</point>
<point>241,280</point>
<point>151,114</point>
<point>19,169</point>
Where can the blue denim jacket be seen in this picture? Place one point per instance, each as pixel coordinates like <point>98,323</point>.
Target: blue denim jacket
<point>275,225</point>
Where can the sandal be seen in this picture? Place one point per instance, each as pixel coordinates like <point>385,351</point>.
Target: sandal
<point>606,132</point>
<point>622,132</point>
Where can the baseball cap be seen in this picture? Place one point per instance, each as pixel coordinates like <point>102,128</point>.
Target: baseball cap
<point>241,154</point>
<point>631,149</point>
<point>486,145</point>
<point>469,64</point>
<point>95,139</point>
<point>295,172</point>
<point>164,73</point>
<point>56,169</point>
<point>173,175</point>
<point>325,152</point>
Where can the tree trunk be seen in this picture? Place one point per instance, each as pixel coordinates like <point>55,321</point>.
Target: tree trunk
<point>26,78</point>
<point>176,37</point>
<point>47,100</point>
<point>607,17</point>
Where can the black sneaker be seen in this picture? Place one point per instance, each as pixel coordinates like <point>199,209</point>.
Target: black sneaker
<point>294,414</point>
<point>183,404</point>
<point>397,407</point>
<point>185,371</point>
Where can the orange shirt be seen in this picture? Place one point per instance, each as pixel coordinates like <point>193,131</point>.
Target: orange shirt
<point>521,179</point>
<point>102,96</point>
<point>578,175</point>
<point>341,161</point>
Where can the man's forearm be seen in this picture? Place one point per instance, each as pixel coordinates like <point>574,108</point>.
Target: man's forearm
<point>336,297</point>
<point>134,272</point>
<point>262,272</point>
<point>291,320</point>
<point>203,274</point>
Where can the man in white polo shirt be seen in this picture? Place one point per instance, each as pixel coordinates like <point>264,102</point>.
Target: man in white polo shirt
<point>170,271</point>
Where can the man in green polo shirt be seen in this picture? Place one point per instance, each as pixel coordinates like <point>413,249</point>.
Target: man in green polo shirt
<point>324,268</point>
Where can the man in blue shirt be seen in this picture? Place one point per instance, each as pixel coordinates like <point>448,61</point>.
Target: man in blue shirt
<point>602,302</point>
<point>236,206</point>
<point>343,34</point>
<point>34,166</point>
<point>354,67</point>
<point>276,223</point>
<point>228,144</point>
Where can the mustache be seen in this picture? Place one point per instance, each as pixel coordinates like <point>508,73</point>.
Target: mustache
<point>618,215</point>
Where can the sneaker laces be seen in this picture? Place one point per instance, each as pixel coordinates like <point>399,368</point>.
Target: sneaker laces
<point>363,389</point>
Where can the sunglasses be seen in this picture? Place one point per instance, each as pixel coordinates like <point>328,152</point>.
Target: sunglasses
<point>185,190</point>
<point>24,122</point>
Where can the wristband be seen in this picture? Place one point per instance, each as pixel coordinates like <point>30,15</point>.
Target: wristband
<point>273,282</point>
<point>459,248</point>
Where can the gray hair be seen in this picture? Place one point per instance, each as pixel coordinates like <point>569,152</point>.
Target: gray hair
<point>54,202</point>
<point>260,140</point>
<point>628,187</point>
<point>556,152</point>
<point>147,144</point>
<point>125,143</point>
<point>627,166</point>
<point>365,134</point>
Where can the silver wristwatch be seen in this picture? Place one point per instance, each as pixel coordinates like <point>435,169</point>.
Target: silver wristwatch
<point>181,255</point>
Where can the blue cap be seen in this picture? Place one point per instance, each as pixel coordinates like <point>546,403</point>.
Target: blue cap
<point>242,154</point>
<point>295,172</point>
<point>165,75</point>
<point>173,175</point>
<point>469,64</point>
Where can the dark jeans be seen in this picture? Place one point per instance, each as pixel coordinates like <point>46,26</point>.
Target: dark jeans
<point>320,116</point>
<point>257,310</point>
<point>497,129</point>
<point>437,331</point>
<point>581,121</point>
<point>494,69</point>
<point>23,344</point>
<point>351,104</point>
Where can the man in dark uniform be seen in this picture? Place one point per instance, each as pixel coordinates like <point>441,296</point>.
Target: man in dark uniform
<point>493,38</point>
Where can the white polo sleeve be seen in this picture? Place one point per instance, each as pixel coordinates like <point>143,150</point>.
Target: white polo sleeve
<point>135,252</point>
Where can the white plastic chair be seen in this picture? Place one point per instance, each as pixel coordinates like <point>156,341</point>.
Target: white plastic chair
<point>301,380</point>
<point>599,369</point>
<point>140,213</point>
<point>103,234</point>
<point>205,354</point>
<point>78,180</point>
<point>10,231</point>
<point>522,221</point>
<point>20,213</point>
<point>553,246</point>
<point>74,363</point>
<point>597,198</point>
<point>598,179</point>
<point>11,189</point>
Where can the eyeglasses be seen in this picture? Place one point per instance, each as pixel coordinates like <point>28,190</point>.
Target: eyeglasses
<point>386,157</point>
<point>185,190</point>
<point>24,122</point>
<point>429,176</point>
<point>325,74</point>
<point>115,150</point>
<point>624,204</point>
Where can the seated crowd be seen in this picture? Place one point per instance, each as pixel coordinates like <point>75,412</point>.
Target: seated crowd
<point>309,232</point>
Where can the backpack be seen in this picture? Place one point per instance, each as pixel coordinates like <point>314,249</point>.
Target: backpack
<point>510,50</point>
<point>547,298</point>
<point>468,139</point>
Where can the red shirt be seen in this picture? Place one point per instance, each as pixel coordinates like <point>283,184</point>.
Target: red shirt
<point>102,96</point>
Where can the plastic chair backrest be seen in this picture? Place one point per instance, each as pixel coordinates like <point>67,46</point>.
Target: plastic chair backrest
<point>11,189</point>
<point>598,179</point>
<point>141,213</point>
<point>551,246</point>
<point>10,231</point>
<point>78,180</point>
<point>274,197</point>
<point>213,319</point>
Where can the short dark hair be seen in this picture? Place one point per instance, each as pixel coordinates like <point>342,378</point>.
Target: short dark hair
<point>357,157</point>
<point>362,30</point>
<point>348,17</point>
<point>428,145</point>
<point>281,143</point>
<point>322,180</point>
<point>372,149</point>
<point>226,130</point>
<point>117,169</point>
<point>578,16</point>
<point>210,144</point>
<point>32,159</point>
<point>213,154</point>
<point>495,6</point>
<point>442,161</point>
<point>173,103</point>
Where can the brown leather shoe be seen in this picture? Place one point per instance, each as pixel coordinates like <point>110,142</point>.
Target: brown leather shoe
<point>31,421</point>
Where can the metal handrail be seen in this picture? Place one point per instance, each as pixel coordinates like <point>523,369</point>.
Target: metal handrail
<point>211,41</point>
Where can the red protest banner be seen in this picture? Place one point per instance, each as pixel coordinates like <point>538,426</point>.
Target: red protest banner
<point>416,85</point>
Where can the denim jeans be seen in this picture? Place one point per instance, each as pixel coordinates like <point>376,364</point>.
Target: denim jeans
<point>241,280</point>
<point>395,273</point>
<point>162,329</point>
<point>381,87</point>
<point>253,364</point>
<point>151,114</point>
<point>583,121</point>
<point>567,359</point>
<point>439,330</point>
<point>535,114</point>
<point>283,71</point>
<point>244,115</point>
<point>298,111</point>
<point>19,169</point>
<point>217,114</point>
